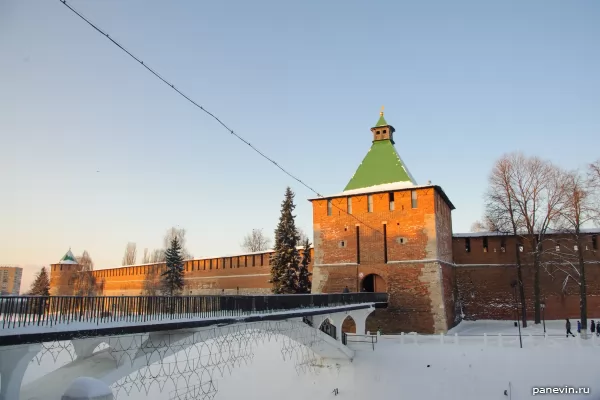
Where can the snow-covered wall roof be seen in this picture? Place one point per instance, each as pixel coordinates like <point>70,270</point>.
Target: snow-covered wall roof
<point>484,234</point>
<point>387,187</point>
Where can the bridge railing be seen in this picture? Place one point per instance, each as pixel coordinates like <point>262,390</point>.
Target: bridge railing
<point>20,311</point>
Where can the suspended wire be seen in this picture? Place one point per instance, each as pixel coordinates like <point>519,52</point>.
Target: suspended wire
<point>156,74</point>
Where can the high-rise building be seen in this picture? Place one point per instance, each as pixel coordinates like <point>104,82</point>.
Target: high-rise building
<point>10,280</point>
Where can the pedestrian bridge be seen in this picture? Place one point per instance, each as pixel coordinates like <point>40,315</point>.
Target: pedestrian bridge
<point>113,337</point>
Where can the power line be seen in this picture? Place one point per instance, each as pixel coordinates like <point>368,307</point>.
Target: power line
<point>156,74</point>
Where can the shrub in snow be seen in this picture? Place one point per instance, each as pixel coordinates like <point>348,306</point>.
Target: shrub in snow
<point>85,388</point>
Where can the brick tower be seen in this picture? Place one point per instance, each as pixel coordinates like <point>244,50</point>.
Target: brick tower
<point>385,233</point>
<point>62,273</point>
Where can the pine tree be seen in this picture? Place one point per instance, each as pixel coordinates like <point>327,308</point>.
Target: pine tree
<point>304,284</point>
<point>41,284</point>
<point>172,278</point>
<point>286,260</point>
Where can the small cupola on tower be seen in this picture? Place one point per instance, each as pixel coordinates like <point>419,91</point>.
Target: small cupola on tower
<point>383,131</point>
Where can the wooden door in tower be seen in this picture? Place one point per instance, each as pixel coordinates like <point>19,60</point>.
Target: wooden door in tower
<point>379,284</point>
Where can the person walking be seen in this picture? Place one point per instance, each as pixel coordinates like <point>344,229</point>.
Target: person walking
<point>592,327</point>
<point>346,290</point>
<point>579,327</point>
<point>597,328</point>
<point>568,326</point>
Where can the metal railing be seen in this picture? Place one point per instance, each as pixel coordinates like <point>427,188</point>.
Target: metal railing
<point>354,338</point>
<point>21,311</point>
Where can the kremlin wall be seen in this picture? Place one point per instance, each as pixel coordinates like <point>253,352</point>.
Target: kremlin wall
<point>384,233</point>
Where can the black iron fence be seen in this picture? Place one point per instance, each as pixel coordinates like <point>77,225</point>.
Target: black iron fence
<point>19,311</point>
<point>353,338</point>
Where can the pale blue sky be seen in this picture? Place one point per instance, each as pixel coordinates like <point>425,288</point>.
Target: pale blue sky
<point>462,82</point>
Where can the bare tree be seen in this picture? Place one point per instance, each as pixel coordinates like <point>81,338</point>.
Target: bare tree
<point>130,256</point>
<point>501,210</point>
<point>178,233</point>
<point>157,256</point>
<point>487,225</point>
<point>303,236</point>
<point>478,226</point>
<point>84,282</point>
<point>538,194</point>
<point>593,178</point>
<point>566,255</point>
<point>594,174</point>
<point>146,257</point>
<point>152,282</point>
<point>256,241</point>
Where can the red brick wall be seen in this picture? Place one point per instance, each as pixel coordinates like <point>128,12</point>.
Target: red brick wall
<point>250,273</point>
<point>415,288</point>
<point>450,295</point>
<point>485,292</point>
<point>483,277</point>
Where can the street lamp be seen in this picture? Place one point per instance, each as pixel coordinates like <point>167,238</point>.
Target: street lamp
<point>513,284</point>
<point>543,306</point>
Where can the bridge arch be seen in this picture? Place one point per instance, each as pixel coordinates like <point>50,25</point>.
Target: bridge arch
<point>373,283</point>
<point>120,356</point>
<point>349,325</point>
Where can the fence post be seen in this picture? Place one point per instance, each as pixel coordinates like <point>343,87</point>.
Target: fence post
<point>441,338</point>
<point>500,344</point>
<point>402,338</point>
<point>485,339</point>
<point>456,339</point>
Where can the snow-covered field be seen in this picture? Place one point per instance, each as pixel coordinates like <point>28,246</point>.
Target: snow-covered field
<point>418,367</point>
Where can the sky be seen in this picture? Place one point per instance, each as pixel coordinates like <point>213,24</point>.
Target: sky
<point>96,152</point>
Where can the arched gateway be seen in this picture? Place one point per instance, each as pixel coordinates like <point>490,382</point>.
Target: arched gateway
<point>373,283</point>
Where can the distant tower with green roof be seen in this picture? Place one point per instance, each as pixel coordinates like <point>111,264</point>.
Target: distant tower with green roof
<point>61,274</point>
<point>386,233</point>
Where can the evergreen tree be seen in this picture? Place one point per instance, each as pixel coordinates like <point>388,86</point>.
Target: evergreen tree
<point>172,278</point>
<point>41,284</point>
<point>304,284</point>
<point>286,260</point>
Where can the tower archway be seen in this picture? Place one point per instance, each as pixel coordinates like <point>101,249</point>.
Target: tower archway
<point>373,283</point>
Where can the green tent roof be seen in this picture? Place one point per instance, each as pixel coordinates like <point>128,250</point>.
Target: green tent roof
<point>381,165</point>
<point>68,258</point>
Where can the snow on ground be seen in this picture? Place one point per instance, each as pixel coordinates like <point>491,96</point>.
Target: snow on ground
<point>425,371</point>
<point>420,367</point>
<point>507,328</point>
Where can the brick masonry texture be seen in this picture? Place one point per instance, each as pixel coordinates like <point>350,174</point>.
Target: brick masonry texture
<point>399,243</point>
<point>483,278</point>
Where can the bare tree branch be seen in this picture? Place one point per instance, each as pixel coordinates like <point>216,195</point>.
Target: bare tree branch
<point>157,256</point>
<point>537,193</point>
<point>130,256</point>
<point>178,233</point>
<point>478,226</point>
<point>501,210</point>
<point>303,236</point>
<point>255,241</point>
<point>84,282</point>
<point>146,257</point>
<point>152,282</point>
<point>566,255</point>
